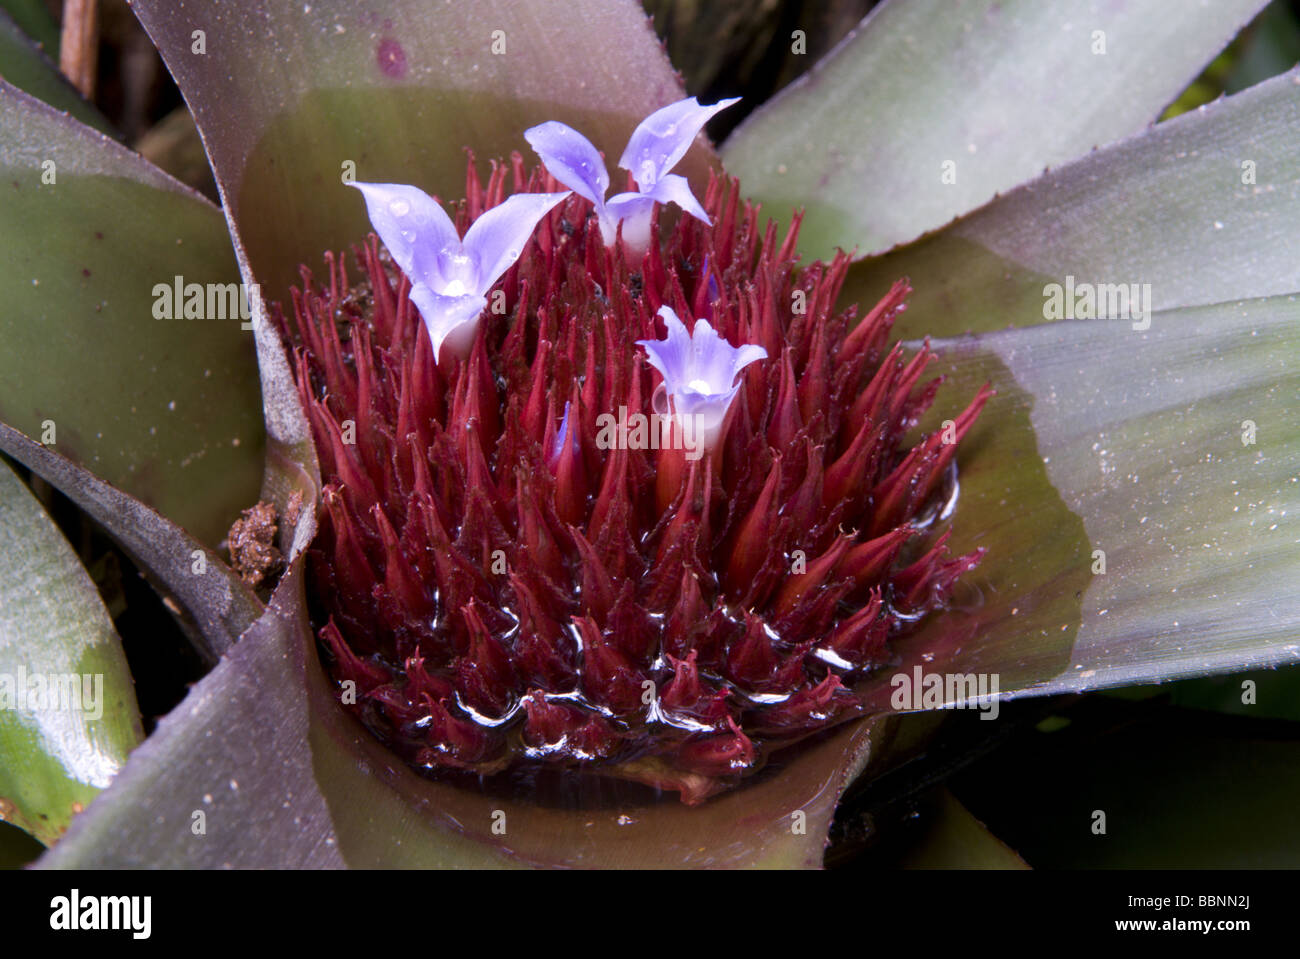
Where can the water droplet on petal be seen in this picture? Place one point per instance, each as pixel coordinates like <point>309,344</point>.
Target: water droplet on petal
<point>659,400</point>
<point>399,208</point>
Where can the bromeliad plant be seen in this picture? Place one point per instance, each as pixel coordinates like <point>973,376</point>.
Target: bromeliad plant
<point>434,401</point>
<point>508,587</point>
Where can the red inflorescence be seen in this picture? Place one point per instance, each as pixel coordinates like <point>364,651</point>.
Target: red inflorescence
<point>500,597</point>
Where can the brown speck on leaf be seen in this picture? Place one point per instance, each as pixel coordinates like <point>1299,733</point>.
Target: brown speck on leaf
<point>253,553</point>
<point>292,510</point>
<point>7,810</point>
<point>77,808</point>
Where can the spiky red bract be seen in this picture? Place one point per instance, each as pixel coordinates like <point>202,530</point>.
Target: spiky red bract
<point>499,598</point>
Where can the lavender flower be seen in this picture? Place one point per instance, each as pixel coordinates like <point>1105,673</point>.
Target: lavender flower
<point>700,370</point>
<point>450,277</point>
<point>656,146</point>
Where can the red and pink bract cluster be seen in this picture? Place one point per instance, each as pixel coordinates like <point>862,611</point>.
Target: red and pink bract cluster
<point>499,597</point>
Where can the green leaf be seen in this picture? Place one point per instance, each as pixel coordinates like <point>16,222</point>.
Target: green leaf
<point>34,19</point>
<point>1205,208</point>
<point>394,91</point>
<point>285,778</point>
<point>68,714</point>
<point>31,70</point>
<point>217,603</point>
<point>1177,447</point>
<point>999,89</point>
<point>166,409</point>
<point>957,840</point>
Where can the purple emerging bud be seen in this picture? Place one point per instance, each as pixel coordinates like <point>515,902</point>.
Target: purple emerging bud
<point>450,277</point>
<point>699,370</point>
<point>656,146</point>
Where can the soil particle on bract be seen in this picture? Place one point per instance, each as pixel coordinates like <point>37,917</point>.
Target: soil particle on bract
<point>251,541</point>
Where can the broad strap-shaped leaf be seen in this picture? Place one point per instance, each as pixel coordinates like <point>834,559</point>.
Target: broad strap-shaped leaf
<point>68,714</point>
<point>930,109</point>
<point>1205,208</point>
<point>219,606</point>
<point>283,777</point>
<point>1178,448</point>
<point>95,240</point>
<point>31,70</point>
<point>224,779</point>
<point>392,92</point>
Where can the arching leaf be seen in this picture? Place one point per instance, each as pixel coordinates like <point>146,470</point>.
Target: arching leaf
<point>68,714</point>
<point>1177,447</point>
<point>929,109</point>
<point>1203,209</point>
<point>166,409</point>
<point>217,603</point>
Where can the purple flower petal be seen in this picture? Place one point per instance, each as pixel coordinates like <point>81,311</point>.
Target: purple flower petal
<point>497,237</point>
<point>449,277</point>
<point>663,138</point>
<point>675,189</point>
<point>633,211</point>
<point>562,436</point>
<point>451,321</point>
<point>699,362</point>
<point>716,362</point>
<point>412,224</point>
<point>700,371</point>
<point>670,356</point>
<point>571,159</point>
<point>450,271</point>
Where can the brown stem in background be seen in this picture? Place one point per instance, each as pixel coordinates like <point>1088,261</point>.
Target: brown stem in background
<point>79,44</point>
